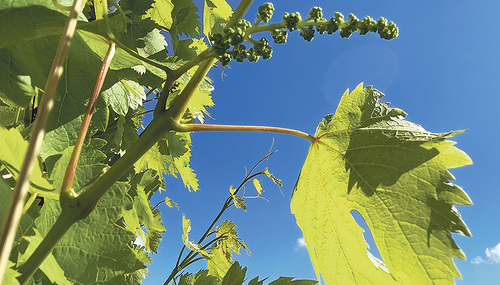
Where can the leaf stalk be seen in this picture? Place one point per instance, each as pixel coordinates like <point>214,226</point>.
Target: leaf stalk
<point>239,128</point>
<point>66,190</point>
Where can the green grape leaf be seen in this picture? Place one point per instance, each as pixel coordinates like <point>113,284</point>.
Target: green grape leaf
<point>137,7</point>
<point>143,185</point>
<point>89,165</point>
<point>191,245</point>
<point>34,58</point>
<point>9,114</point>
<point>123,95</point>
<point>49,267</point>
<point>189,48</point>
<point>121,131</point>
<point>171,156</point>
<point>235,275</point>
<point>200,278</point>
<point>28,238</point>
<point>96,249</point>
<point>161,13</point>
<point>11,274</point>
<point>28,23</point>
<point>100,45</point>
<point>220,259</point>
<point>198,104</point>
<point>14,83</point>
<point>367,158</point>
<point>215,15</point>
<point>185,19</point>
<point>11,156</point>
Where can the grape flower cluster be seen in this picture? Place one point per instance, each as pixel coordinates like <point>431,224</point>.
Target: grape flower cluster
<point>229,44</point>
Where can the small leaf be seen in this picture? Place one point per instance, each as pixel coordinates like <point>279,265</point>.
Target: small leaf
<point>257,185</point>
<point>186,229</point>
<point>239,202</point>
<point>232,190</point>
<point>273,178</point>
<point>171,203</point>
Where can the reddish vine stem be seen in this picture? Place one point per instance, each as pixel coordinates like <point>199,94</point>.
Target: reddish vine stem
<point>69,175</point>
<point>16,203</point>
<point>238,128</point>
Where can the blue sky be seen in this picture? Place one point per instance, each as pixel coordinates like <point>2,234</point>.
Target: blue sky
<point>443,70</point>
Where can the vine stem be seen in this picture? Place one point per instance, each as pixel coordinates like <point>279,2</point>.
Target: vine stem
<point>16,203</point>
<point>239,128</point>
<point>66,189</point>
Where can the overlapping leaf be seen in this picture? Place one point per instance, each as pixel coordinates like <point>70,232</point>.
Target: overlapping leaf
<point>143,185</point>
<point>96,249</point>
<point>27,239</point>
<point>367,158</point>
<point>11,156</point>
<point>89,165</point>
<point>161,13</point>
<point>171,156</point>
<point>215,14</point>
<point>220,258</point>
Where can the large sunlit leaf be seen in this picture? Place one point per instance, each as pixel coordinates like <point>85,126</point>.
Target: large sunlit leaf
<point>368,159</point>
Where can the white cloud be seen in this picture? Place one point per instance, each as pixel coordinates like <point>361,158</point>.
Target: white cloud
<point>301,243</point>
<point>492,256</point>
<point>478,260</point>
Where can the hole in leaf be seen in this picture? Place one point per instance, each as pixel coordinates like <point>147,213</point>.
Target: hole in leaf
<point>372,250</point>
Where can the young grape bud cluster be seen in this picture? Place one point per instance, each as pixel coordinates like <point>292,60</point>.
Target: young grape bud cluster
<point>316,14</point>
<point>307,33</point>
<point>262,48</point>
<point>280,36</point>
<point>239,52</point>
<point>291,20</point>
<point>265,12</point>
<point>235,36</point>
<point>368,24</point>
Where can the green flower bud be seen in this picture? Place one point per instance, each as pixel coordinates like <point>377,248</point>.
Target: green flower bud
<point>316,14</point>
<point>243,24</point>
<point>252,55</point>
<point>263,49</point>
<point>236,36</point>
<point>225,58</point>
<point>239,53</point>
<point>220,43</point>
<point>291,20</point>
<point>265,12</point>
<point>280,36</point>
<point>307,33</point>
